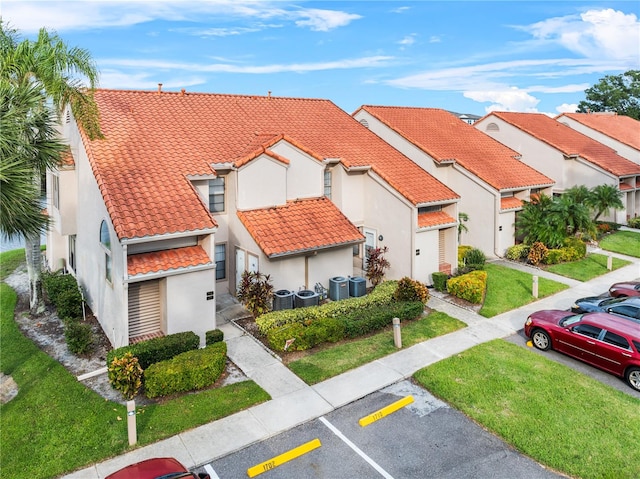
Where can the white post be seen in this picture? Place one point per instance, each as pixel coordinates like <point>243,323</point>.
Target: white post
<point>610,262</point>
<point>535,287</point>
<point>397,337</point>
<point>131,422</point>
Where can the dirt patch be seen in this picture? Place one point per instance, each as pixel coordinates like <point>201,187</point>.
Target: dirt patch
<point>47,332</point>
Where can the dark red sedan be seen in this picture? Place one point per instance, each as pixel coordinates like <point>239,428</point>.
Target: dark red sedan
<point>603,340</point>
<point>156,468</point>
<point>627,288</point>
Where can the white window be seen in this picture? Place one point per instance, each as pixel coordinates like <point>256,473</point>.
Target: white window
<point>327,183</point>
<point>105,241</point>
<point>216,195</point>
<point>55,191</point>
<point>221,261</point>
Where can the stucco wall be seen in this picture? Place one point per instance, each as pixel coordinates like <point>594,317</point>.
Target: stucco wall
<point>263,183</point>
<point>304,177</point>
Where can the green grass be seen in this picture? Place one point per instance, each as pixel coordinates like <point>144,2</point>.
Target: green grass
<point>557,416</point>
<point>508,289</point>
<point>335,360</point>
<point>623,242</point>
<point>589,267</point>
<point>55,424</point>
<point>9,261</point>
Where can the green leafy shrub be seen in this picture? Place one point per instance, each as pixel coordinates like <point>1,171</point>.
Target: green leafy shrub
<point>376,266</point>
<point>579,247</point>
<point>411,290</point>
<point>462,250</point>
<point>634,222</point>
<point>517,252</point>
<point>537,253</point>
<point>255,292</point>
<point>78,336</point>
<point>325,330</point>
<point>294,333</point>
<point>379,297</point>
<point>56,283</point>
<point>158,349</point>
<point>474,259</point>
<point>470,287</point>
<point>213,336</point>
<point>187,371</point>
<point>69,304</point>
<point>125,375</point>
<point>440,281</point>
<point>365,322</point>
<point>553,256</point>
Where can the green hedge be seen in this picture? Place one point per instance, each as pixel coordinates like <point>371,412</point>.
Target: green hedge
<point>331,330</point>
<point>213,336</point>
<point>186,372</point>
<point>470,286</point>
<point>440,281</point>
<point>57,283</point>
<point>382,295</point>
<point>157,349</point>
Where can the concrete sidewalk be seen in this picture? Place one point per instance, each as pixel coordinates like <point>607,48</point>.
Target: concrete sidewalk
<point>294,402</point>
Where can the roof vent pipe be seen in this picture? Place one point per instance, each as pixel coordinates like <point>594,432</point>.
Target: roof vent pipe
<point>182,92</point>
<point>159,87</point>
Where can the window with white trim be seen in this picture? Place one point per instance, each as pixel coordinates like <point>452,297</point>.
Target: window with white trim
<point>327,183</point>
<point>216,195</point>
<point>55,191</point>
<point>221,261</point>
<point>105,241</point>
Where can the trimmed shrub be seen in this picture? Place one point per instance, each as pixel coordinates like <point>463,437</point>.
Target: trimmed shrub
<point>517,252</point>
<point>187,371</point>
<point>379,297</point>
<point>440,281</point>
<point>634,222</point>
<point>78,336</point>
<point>462,251</point>
<point>470,286</point>
<point>213,336</point>
<point>157,349</point>
<point>364,322</point>
<point>579,247</point>
<point>125,375</point>
<point>474,258</point>
<point>56,283</point>
<point>294,332</point>
<point>69,304</point>
<point>537,253</point>
<point>411,290</point>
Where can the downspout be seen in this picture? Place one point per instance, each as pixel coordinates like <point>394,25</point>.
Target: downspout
<point>125,288</point>
<point>496,225</point>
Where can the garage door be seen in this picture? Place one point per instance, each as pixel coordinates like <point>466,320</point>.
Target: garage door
<point>144,308</point>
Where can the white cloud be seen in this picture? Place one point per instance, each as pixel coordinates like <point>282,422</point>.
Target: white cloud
<point>324,20</point>
<point>145,81</point>
<point>567,108</point>
<point>434,39</point>
<point>511,99</point>
<point>596,34</point>
<point>408,40</point>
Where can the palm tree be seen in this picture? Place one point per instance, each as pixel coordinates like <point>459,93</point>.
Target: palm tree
<point>462,228</point>
<point>537,222</point>
<point>605,197</point>
<point>45,68</point>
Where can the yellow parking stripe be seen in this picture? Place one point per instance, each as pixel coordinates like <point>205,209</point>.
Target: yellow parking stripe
<point>385,411</point>
<point>282,458</point>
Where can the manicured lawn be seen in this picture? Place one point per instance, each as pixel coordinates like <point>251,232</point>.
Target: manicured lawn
<point>623,242</point>
<point>334,360</point>
<point>509,289</point>
<point>55,424</point>
<point>559,417</point>
<point>589,267</point>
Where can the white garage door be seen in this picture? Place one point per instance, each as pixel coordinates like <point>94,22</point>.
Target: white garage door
<point>144,308</point>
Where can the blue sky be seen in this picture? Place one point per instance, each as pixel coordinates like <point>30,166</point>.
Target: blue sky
<point>469,57</point>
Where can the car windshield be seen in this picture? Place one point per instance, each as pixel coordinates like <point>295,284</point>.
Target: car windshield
<point>569,320</point>
<point>611,301</point>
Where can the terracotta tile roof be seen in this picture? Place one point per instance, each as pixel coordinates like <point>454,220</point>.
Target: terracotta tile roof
<point>299,226</point>
<point>67,158</point>
<point>444,137</point>
<point>619,127</point>
<point>154,140</point>
<point>166,260</point>
<point>510,202</point>
<point>434,218</point>
<point>570,142</point>
<point>625,186</point>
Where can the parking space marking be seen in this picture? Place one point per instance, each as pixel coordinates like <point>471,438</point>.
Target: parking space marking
<point>358,451</point>
<point>209,470</point>
<point>284,457</point>
<point>385,411</point>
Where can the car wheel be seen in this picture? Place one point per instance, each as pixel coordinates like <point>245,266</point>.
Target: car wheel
<point>633,378</point>
<point>541,339</point>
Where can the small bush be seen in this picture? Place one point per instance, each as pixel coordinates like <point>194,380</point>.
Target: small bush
<point>78,336</point>
<point>69,304</point>
<point>440,281</point>
<point>579,247</point>
<point>125,375</point>
<point>517,252</point>
<point>462,251</point>
<point>56,283</point>
<point>475,258</point>
<point>293,333</point>
<point>537,253</point>
<point>470,286</point>
<point>187,371</point>
<point>553,256</point>
<point>158,349</point>
<point>365,322</point>
<point>634,222</point>
<point>411,290</point>
<point>213,336</point>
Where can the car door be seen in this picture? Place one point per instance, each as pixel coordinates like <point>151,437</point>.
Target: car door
<point>626,310</point>
<point>613,352</point>
<point>580,341</point>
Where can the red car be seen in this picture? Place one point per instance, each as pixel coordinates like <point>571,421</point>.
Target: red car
<point>603,340</point>
<point>628,288</point>
<point>157,468</point>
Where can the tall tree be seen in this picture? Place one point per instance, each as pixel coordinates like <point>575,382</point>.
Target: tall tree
<point>55,75</point>
<point>604,198</point>
<point>615,93</point>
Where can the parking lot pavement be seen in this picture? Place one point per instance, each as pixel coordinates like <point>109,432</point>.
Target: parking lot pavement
<point>425,439</point>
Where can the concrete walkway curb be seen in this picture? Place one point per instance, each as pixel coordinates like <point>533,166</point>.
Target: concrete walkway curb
<point>294,402</point>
